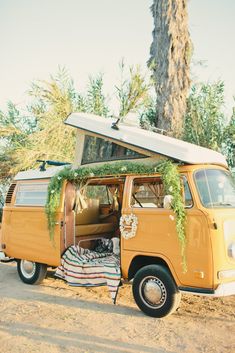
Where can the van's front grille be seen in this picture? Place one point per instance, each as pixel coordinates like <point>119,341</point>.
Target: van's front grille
<point>10,193</point>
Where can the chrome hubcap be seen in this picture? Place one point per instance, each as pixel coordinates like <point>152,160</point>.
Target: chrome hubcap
<point>153,292</point>
<point>28,268</point>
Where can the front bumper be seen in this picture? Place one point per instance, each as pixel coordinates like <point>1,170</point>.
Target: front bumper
<point>223,290</point>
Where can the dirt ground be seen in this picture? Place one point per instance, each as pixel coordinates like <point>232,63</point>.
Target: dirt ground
<point>53,317</point>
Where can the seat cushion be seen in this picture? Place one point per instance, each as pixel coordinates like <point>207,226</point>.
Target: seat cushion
<point>90,214</point>
<point>91,229</point>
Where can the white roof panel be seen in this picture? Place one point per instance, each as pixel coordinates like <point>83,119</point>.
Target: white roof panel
<point>147,141</point>
<point>37,174</point>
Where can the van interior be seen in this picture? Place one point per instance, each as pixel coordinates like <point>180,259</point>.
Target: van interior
<point>95,211</point>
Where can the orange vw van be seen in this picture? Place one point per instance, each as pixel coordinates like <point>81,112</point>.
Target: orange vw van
<point>133,207</point>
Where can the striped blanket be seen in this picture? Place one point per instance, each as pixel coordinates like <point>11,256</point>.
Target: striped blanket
<point>83,267</point>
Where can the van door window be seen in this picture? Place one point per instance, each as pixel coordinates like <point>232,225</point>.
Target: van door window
<point>147,193</point>
<point>31,194</point>
<point>150,193</point>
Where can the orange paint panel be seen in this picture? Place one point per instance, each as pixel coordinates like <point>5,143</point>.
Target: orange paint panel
<point>26,236</point>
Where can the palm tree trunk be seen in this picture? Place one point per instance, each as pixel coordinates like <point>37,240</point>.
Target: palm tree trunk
<point>170,60</point>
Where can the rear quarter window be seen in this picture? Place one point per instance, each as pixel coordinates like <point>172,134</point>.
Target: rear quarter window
<point>31,194</point>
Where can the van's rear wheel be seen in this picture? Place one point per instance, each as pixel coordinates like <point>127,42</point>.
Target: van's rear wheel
<point>31,272</point>
<point>155,291</point>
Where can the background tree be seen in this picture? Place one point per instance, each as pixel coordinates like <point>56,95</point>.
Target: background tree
<point>229,141</point>
<point>133,92</point>
<point>170,61</point>
<point>15,129</point>
<point>51,102</point>
<point>205,121</point>
<point>40,133</point>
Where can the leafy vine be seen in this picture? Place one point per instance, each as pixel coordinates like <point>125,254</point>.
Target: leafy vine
<point>171,183</point>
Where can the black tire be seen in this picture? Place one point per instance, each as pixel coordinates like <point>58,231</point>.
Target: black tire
<point>31,272</point>
<point>155,291</point>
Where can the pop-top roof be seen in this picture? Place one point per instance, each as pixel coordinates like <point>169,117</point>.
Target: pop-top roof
<point>146,141</point>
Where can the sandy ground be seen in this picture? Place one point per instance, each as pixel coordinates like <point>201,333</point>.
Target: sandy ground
<point>53,317</point>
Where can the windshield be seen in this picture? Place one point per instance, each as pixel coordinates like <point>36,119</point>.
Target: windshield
<point>216,188</point>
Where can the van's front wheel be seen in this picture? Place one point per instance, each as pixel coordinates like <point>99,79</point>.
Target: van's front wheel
<point>31,272</point>
<point>155,291</point>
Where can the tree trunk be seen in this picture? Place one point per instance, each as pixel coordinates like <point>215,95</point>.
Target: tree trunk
<point>170,60</point>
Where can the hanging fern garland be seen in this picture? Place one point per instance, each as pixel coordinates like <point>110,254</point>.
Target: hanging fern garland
<point>172,186</point>
<point>171,183</point>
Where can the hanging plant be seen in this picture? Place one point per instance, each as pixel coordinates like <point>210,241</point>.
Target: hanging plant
<point>172,186</point>
<point>171,183</point>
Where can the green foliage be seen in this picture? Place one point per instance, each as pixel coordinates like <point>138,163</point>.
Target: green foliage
<point>171,182</point>
<point>206,123</point>
<point>148,115</point>
<point>51,103</point>
<point>15,129</point>
<point>41,133</point>
<point>133,92</point>
<point>96,101</point>
<point>229,141</point>
<point>173,186</point>
<point>205,120</point>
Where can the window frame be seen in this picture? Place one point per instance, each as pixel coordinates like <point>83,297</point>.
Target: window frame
<point>187,180</point>
<point>35,185</point>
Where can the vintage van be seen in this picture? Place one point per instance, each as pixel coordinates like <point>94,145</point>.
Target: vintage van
<point>133,207</point>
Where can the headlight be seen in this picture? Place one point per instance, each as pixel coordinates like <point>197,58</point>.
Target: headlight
<point>231,250</point>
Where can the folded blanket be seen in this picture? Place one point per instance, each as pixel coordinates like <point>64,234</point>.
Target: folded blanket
<point>83,267</point>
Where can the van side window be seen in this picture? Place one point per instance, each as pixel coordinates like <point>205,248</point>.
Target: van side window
<point>31,194</point>
<point>188,200</point>
<point>147,193</point>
